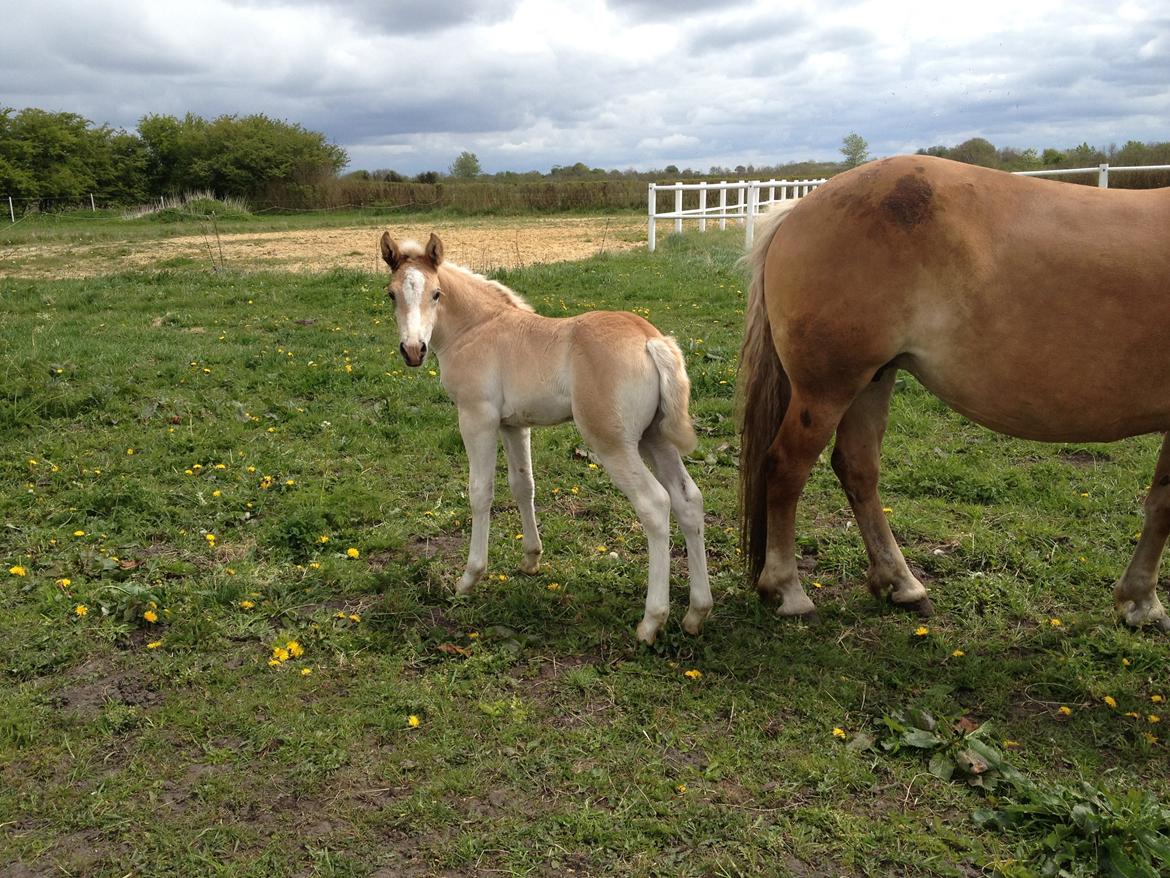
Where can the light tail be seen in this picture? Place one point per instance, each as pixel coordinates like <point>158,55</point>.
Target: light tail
<point>674,393</point>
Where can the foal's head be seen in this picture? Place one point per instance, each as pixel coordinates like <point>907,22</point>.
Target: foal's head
<point>414,290</point>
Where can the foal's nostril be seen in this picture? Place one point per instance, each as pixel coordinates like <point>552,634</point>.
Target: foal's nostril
<point>402,348</point>
<point>422,349</point>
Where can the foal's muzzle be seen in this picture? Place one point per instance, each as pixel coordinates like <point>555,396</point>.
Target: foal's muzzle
<point>414,353</point>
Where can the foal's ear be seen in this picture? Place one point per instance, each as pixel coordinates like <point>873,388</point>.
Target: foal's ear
<point>435,250</point>
<point>390,252</point>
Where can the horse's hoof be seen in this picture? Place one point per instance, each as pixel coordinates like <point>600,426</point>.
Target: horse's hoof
<point>647,633</point>
<point>922,607</point>
<point>530,568</point>
<point>692,622</point>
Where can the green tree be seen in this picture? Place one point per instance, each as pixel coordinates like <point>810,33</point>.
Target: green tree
<point>466,167</point>
<point>976,151</point>
<point>855,149</point>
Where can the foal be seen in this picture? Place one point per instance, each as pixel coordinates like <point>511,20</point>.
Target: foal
<point>508,369</point>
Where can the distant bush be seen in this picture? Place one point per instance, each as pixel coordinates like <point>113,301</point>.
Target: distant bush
<point>193,205</point>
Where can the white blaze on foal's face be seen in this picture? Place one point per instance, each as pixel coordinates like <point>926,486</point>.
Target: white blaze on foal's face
<point>414,290</point>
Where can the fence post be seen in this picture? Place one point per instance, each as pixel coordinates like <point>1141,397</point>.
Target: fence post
<point>92,206</point>
<point>11,212</point>
<point>653,206</point>
<point>678,195</point>
<point>723,205</point>
<point>739,199</point>
<point>753,200</point>
<point>703,207</point>
<point>1103,176</point>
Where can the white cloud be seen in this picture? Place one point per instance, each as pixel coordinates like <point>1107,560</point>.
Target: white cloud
<point>526,84</point>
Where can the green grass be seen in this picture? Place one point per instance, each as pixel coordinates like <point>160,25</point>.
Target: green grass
<point>271,410</point>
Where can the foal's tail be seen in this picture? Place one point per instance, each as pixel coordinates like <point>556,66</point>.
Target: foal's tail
<point>764,392</point>
<point>674,392</point>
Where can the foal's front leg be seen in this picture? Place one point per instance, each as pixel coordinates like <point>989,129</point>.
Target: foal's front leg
<point>478,428</point>
<point>518,447</point>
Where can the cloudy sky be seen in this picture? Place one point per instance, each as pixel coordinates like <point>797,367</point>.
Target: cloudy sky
<point>528,84</point>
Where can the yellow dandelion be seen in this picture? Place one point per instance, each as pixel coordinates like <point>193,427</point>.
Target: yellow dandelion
<point>1157,699</point>
<point>1055,623</point>
<point>354,617</point>
<point>958,653</point>
<point>295,649</point>
<point>1126,662</point>
<point>887,509</point>
<point>472,635</point>
<point>274,663</point>
<point>553,586</point>
<point>209,537</point>
<point>247,605</point>
<point>502,577</point>
<point>17,570</point>
<point>306,671</point>
<point>921,631</point>
<point>352,552</point>
<point>413,721</point>
<point>838,732</point>
<point>1009,744</point>
<point>79,533</point>
<point>1132,714</point>
<point>64,582</point>
<point>150,616</point>
<point>1065,710</point>
<point>1110,701</point>
<point>129,450</point>
<point>324,538</point>
<point>1153,718</point>
<point>818,585</point>
<point>603,548</point>
<point>154,644</point>
<point>80,610</point>
<point>280,654</point>
<point>1150,738</point>
<point>693,673</point>
<point>681,789</point>
<point>315,565</point>
<point>217,493</point>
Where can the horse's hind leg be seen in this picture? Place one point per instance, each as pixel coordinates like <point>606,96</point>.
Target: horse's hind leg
<point>652,505</point>
<point>518,448</point>
<point>856,457</point>
<point>807,426</point>
<point>1135,595</point>
<point>687,504</point>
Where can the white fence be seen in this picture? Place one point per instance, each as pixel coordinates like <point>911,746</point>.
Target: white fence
<point>750,198</point>
<point>1102,172</point>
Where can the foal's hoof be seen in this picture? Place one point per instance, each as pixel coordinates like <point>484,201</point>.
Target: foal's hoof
<point>647,632</point>
<point>922,607</point>
<point>809,617</point>
<point>530,566</point>
<point>692,622</point>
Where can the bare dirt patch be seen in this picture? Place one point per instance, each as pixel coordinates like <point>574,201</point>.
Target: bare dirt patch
<point>480,244</point>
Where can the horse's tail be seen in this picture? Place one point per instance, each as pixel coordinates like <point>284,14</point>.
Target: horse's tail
<point>764,391</point>
<point>674,392</point>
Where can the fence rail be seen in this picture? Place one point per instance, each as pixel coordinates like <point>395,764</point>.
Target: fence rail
<point>751,197</point>
<point>1102,172</point>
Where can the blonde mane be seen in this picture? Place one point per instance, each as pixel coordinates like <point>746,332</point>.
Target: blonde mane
<point>466,278</point>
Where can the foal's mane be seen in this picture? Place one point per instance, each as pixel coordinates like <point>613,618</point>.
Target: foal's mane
<point>464,279</point>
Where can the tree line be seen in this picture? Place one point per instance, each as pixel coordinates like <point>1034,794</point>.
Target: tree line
<point>63,155</point>
<point>47,155</point>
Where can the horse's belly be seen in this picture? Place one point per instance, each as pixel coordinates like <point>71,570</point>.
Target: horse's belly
<point>536,412</point>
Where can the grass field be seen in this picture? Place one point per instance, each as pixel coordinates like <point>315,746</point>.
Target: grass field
<point>198,468</point>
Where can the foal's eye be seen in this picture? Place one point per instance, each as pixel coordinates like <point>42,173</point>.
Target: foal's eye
<point>390,293</point>
<point>435,295</point>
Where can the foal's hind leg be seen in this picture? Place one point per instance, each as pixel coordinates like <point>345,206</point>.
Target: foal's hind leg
<point>687,504</point>
<point>652,505</point>
<point>1135,595</point>
<point>518,448</point>
<point>856,458</point>
<point>805,431</point>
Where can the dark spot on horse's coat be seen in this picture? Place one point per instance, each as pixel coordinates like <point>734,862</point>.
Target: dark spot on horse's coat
<point>805,418</point>
<point>1165,481</point>
<point>911,201</point>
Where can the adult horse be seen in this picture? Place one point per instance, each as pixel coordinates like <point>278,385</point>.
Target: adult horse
<point>1036,308</point>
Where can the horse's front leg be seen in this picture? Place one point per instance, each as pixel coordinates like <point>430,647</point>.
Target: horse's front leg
<point>518,447</point>
<point>478,428</point>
